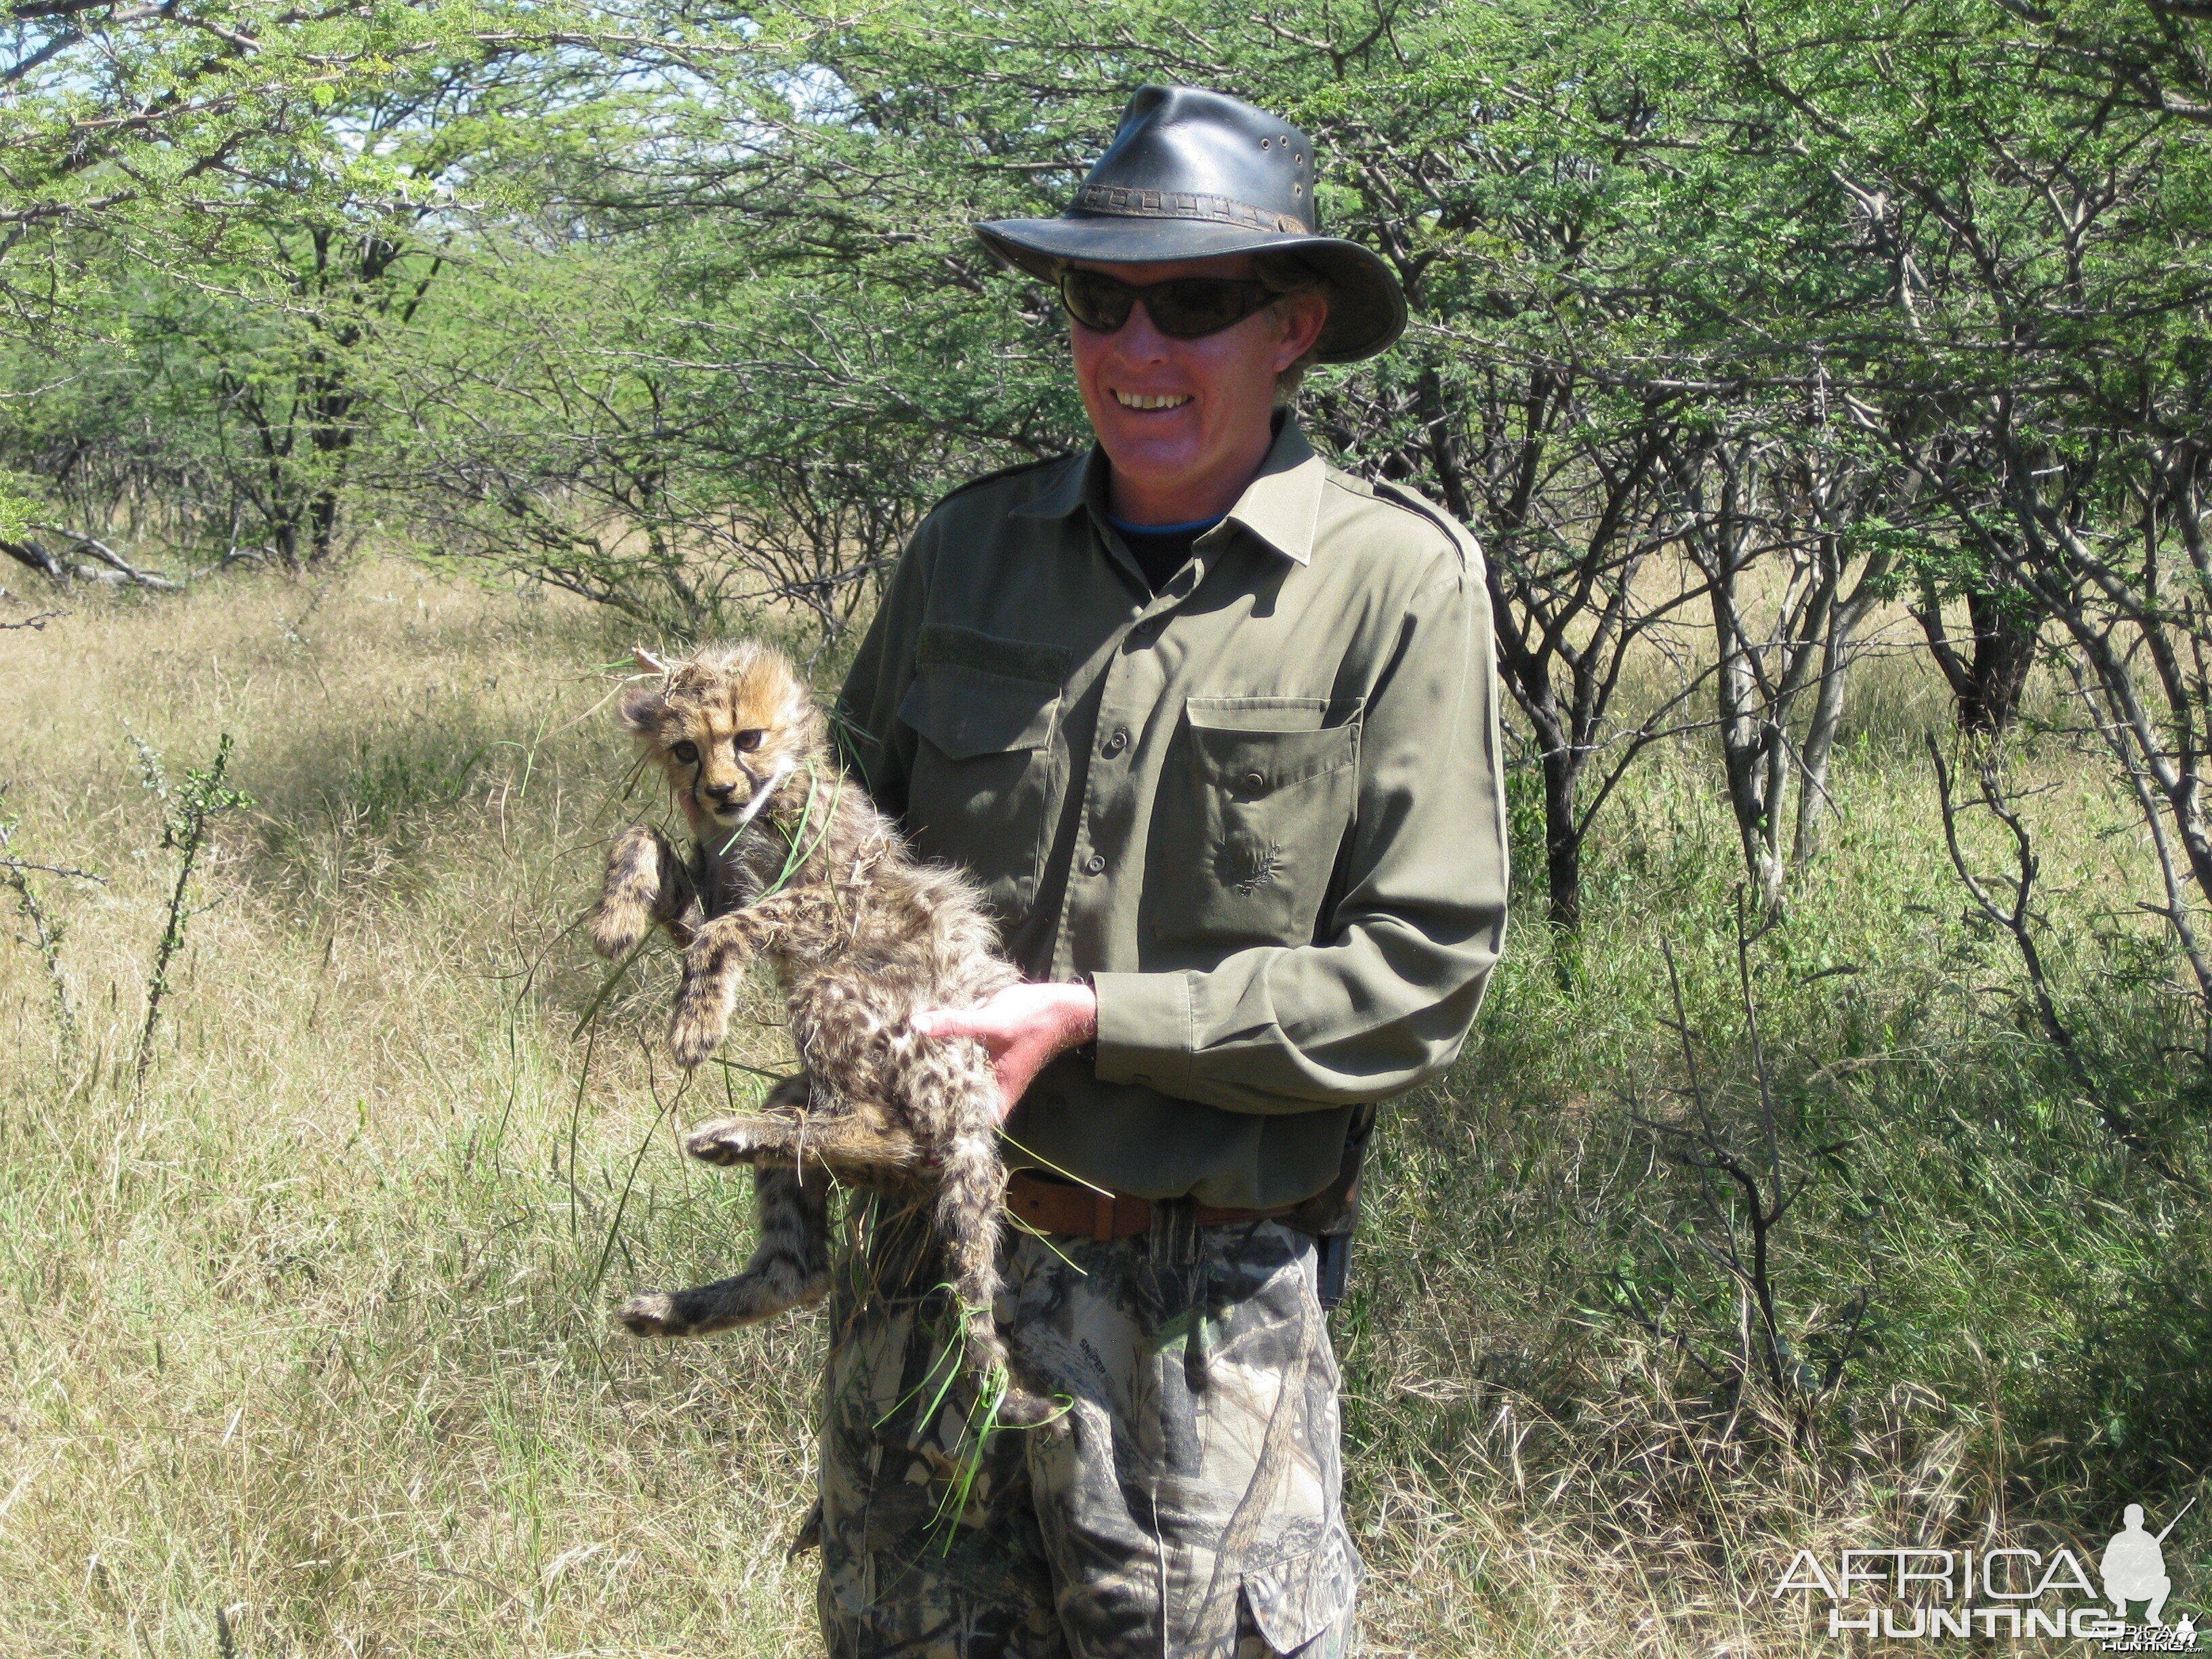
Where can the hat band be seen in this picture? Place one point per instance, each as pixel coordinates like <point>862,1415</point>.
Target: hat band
<point>1125,201</point>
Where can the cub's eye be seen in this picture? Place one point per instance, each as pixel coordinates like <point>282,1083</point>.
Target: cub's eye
<point>749,741</point>
<point>685,752</point>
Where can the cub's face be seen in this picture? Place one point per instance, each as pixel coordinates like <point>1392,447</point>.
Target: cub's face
<point>732,726</point>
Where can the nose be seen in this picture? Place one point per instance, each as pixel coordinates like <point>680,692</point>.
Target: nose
<point>1138,340</point>
<point>719,791</point>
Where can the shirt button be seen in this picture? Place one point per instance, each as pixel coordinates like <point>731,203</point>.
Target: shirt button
<point>1118,742</point>
<point>1254,783</point>
<point>1095,863</point>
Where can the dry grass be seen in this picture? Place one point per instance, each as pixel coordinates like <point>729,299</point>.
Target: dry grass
<point>311,1334</point>
<point>308,1352</point>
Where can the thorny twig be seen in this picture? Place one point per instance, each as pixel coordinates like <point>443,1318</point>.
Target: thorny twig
<point>203,799</point>
<point>46,930</point>
<point>2017,919</point>
<point>2175,912</point>
<point>1762,1199</point>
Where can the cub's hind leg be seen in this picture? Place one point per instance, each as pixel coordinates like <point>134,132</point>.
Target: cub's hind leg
<point>728,1140</point>
<point>856,1143</point>
<point>647,881</point>
<point>790,1266</point>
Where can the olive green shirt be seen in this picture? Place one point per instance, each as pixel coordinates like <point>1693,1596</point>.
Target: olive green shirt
<point>1262,807</point>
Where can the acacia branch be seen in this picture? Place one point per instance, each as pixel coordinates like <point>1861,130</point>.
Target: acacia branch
<point>108,557</point>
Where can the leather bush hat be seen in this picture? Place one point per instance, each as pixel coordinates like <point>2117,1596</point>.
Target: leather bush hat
<point>1192,173</point>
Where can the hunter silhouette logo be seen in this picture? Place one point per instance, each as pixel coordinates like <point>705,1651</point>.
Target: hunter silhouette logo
<point>2134,1568</point>
<point>1924,1594</point>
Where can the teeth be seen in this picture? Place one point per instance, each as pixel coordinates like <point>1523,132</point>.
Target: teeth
<point>1170,400</point>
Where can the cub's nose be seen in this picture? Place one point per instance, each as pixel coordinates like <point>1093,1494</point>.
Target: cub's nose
<point>724,792</point>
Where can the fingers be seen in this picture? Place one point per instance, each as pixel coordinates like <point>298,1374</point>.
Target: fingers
<point>1003,1020</point>
<point>1056,1016</point>
<point>957,1022</point>
<point>1022,1028</point>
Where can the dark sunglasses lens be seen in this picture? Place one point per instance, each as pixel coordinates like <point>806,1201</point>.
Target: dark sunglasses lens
<point>1096,302</point>
<point>1196,306</point>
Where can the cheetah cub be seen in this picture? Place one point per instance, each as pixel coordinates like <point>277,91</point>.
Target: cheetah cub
<point>792,862</point>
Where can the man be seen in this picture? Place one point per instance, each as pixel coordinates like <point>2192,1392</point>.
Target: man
<point>1214,724</point>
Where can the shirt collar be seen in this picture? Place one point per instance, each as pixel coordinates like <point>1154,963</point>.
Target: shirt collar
<point>1280,505</point>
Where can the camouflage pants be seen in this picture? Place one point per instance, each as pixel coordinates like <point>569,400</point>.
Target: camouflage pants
<point>1188,1507</point>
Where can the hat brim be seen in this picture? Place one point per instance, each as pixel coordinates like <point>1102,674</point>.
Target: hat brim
<point>1367,313</point>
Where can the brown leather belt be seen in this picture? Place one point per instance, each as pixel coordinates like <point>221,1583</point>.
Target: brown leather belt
<point>1053,1207</point>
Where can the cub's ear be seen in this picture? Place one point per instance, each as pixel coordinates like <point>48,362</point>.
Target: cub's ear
<point>647,661</point>
<point>640,708</point>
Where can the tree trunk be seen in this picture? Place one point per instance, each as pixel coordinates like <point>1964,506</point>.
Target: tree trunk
<point>1837,655</point>
<point>1753,755</point>
<point>1987,685</point>
<point>1562,841</point>
<point>2004,650</point>
<point>322,525</point>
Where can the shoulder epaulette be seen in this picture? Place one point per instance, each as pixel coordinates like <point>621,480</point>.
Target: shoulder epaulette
<point>1457,533</point>
<point>1018,467</point>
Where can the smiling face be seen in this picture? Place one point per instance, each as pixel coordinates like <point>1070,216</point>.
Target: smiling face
<point>730,726</point>
<point>1185,422</point>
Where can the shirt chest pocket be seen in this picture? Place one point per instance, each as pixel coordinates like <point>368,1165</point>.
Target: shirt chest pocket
<point>979,789</point>
<point>1252,817</point>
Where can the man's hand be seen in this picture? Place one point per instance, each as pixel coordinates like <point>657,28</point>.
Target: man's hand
<point>1024,1028</point>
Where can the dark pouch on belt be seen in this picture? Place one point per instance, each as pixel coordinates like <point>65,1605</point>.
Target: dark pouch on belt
<point>1331,1215</point>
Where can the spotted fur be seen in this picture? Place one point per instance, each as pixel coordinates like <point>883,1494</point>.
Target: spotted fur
<point>792,863</point>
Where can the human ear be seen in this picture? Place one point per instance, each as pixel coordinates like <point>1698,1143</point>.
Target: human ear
<point>1304,315</point>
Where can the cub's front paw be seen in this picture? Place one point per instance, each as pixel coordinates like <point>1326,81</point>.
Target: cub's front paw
<point>631,890</point>
<point>712,968</point>
<point>698,1026</point>
<point>617,926</point>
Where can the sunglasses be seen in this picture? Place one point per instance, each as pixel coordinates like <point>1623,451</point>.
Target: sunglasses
<point>1183,308</point>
